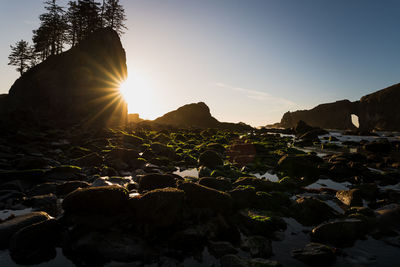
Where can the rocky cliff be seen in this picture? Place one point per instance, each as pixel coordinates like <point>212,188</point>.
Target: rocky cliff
<point>77,86</point>
<point>376,111</point>
<point>380,110</point>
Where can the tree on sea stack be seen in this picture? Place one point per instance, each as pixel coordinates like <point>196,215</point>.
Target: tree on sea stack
<point>113,15</point>
<point>21,56</point>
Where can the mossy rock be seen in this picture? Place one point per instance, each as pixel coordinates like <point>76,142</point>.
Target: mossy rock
<point>299,165</point>
<point>312,211</point>
<point>258,184</point>
<point>210,159</point>
<point>160,207</point>
<point>103,200</point>
<point>256,222</point>
<point>153,181</point>
<point>243,196</point>
<point>199,196</point>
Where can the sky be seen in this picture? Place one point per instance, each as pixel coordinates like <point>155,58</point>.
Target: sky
<point>248,60</point>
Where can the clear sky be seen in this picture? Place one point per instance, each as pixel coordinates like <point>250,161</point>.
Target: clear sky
<point>248,60</point>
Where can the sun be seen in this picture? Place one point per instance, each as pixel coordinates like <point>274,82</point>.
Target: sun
<point>138,91</point>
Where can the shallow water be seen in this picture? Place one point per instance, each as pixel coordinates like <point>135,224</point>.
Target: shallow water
<point>4,214</point>
<point>267,175</point>
<point>194,172</point>
<point>328,183</point>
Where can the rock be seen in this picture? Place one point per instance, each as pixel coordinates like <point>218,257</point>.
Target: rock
<point>221,248</point>
<point>204,171</point>
<point>67,187</point>
<point>302,128</point>
<point>155,181</point>
<point>10,227</point>
<point>35,243</point>
<point>273,201</point>
<point>263,223</point>
<point>70,86</point>
<point>131,140</point>
<point>47,203</point>
<point>257,246</point>
<point>160,207</point>
<point>232,261</point>
<point>236,261</point>
<point>198,196</point>
<point>90,160</point>
<point>388,218</point>
<point>339,232</point>
<point>103,200</point>
<point>100,247</point>
<point>312,211</point>
<point>258,184</point>
<point>300,165</point>
<point>192,115</point>
<point>315,254</point>
<point>378,147</point>
<point>243,196</point>
<point>42,189</point>
<point>260,262</point>
<point>350,197</point>
<point>218,183</point>
<point>374,111</point>
<point>210,159</point>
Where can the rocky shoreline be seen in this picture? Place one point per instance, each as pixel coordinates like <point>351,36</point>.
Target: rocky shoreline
<point>111,198</point>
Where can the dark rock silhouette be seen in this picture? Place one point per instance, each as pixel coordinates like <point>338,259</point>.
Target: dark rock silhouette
<point>77,86</point>
<point>379,110</point>
<point>376,111</point>
<point>195,115</point>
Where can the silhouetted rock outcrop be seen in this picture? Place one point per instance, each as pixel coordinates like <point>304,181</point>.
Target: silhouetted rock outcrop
<point>195,115</point>
<point>379,110</point>
<point>335,115</point>
<point>77,86</point>
<point>376,111</point>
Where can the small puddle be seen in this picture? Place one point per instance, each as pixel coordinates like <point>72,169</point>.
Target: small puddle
<point>328,183</point>
<point>269,176</point>
<point>4,214</point>
<point>188,173</point>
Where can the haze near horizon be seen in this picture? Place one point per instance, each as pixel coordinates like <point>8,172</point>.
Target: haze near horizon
<point>248,62</point>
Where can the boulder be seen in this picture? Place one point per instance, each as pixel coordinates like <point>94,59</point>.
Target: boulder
<point>312,211</point>
<point>258,246</point>
<point>217,183</point>
<point>80,85</point>
<point>315,254</point>
<point>339,232</point>
<point>97,248</point>
<point>300,165</point>
<point>199,196</point>
<point>153,181</point>
<point>258,184</point>
<point>160,207</point>
<point>350,197</point>
<point>67,187</point>
<point>10,227</point>
<point>103,200</point>
<point>221,248</point>
<point>35,243</point>
<point>210,159</point>
<point>256,222</point>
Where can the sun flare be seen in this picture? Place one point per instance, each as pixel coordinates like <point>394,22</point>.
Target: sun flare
<point>138,92</point>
